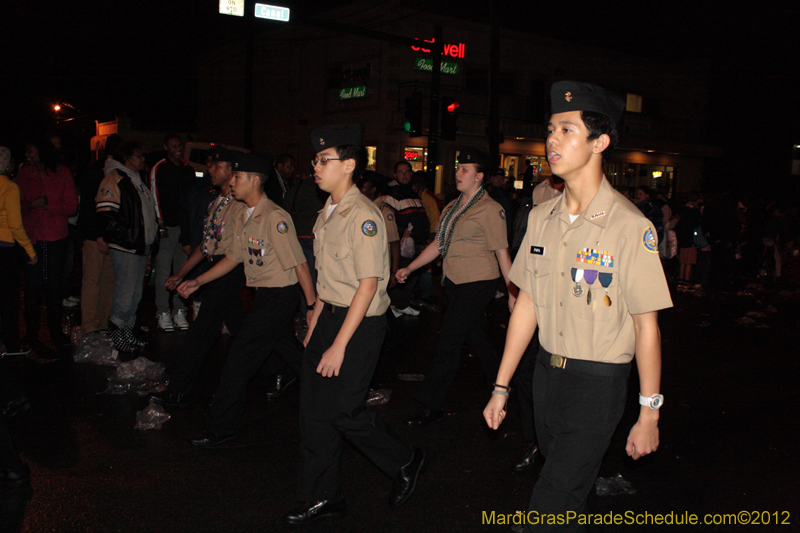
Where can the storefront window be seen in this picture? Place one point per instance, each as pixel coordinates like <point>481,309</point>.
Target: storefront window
<point>416,157</point>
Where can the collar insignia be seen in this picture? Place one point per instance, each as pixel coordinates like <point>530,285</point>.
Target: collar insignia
<point>568,96</point>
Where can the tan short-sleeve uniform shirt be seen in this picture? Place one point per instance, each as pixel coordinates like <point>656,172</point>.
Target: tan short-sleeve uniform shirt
<point>267,245</point>
<point>618,248</point>
<point>392,235</point>
<point>477,235</point>
<point>219,233</point>
<point>350,245</point>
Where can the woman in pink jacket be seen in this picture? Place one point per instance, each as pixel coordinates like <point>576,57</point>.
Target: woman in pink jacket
<point>48,198</point>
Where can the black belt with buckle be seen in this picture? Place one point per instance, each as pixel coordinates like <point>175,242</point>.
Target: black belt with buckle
<point>596,368</point>
<point>330,308</point>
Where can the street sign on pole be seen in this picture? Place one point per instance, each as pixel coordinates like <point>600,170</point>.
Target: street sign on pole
<point>232,7</point>
<point>264,11</point>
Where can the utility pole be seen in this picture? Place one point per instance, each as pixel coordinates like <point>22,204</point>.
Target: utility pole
<point>436,76</point>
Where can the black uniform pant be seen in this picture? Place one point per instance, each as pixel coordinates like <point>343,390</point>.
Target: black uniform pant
<point>463,320</point>
<point>332,408</point>
<point>267,328</point>
<point>523,385</point>
<point>578,408</point>
<point>221,302</point>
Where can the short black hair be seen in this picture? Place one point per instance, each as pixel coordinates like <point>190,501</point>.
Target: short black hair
<point>172,135</point>
<point>125,150</point>
<point>600,124</point>
<point>402,162</point>
<point>283,158</point>
<point>357,153</point>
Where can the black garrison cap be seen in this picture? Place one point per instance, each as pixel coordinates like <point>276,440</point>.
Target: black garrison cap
<point>580,96</point>
<point>256,163</point>
<point>337,135</point>
<point>477,157</point>
<point>220,153</point>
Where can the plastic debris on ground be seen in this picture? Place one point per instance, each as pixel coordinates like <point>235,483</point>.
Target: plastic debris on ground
<point>613,486</point>
<point>76,335</point>
<point>97,348</point>
<point>378,397</point>
<point>410,377</point>
<point>151,417</point>
<point>141,376</point>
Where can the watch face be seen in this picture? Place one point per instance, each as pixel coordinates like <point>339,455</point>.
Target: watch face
<point>656,401</point>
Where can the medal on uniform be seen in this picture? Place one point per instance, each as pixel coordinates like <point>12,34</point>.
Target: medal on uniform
<point>577,276</point>
<point>250,251</point>
<point>605,280</point>
<point>260,254</point>
<point>589,276</point>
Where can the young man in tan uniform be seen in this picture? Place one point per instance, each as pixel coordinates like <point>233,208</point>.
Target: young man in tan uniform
<point>345,333</point>
<point>589,275</point>
<point>265,241</point>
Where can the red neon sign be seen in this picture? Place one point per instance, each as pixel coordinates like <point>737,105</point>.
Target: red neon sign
<point>411,156</point>
<point>452,50</point>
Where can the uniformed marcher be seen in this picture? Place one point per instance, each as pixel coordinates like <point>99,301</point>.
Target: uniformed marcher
<point>222,302</point>
<point>472,239</point>
<point>590,277</point>
<point>344,337</point>
<point>265,241</point>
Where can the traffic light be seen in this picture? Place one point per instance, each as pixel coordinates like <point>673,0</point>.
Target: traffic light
<point>413,123</point>
<point>450,120</point>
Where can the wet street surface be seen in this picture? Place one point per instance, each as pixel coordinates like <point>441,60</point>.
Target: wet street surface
<point>728,438</point>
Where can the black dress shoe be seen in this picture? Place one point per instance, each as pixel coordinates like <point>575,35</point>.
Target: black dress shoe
<point>406,480</point>
<point>210,440</point>
<point>315,510</point>
<point>425,417</point>
<point>176,399</point>
<point>15,477</point>
<point>16,406</point>
<point>528,460</point>
<point>282,383</point>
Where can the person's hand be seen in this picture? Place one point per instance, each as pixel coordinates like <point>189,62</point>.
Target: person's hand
<point>312,323</point>
<point>392,281</point>
<point>188,287</point>
<point>33,260</point>
<point>102,246</point>
<point>643,438</point>
<point>41,201</point>
<point>187,249</point>
<point>173,281</point>
<point>331,362</point>
<point>402,274</point>
<point>495,411</point>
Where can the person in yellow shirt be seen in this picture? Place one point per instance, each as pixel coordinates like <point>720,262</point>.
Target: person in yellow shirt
<point>11,233</point>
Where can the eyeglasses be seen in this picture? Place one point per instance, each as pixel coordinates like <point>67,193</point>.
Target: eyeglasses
<point>324,161</point>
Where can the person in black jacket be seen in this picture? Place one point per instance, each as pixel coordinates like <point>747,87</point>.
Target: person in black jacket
<point>127,217</point>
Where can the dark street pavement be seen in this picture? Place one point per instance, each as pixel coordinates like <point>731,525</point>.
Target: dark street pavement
<point>728,439</point>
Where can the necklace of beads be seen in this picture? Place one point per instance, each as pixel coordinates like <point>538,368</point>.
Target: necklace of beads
<point>215,223</point>
<point>451,217</point>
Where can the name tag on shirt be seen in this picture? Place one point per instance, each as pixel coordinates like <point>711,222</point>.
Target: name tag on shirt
<point>537,250</point>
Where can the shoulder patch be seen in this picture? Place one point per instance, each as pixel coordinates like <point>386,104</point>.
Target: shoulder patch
<point>649,241</point>
<point>369,228</point>
<point>283,227</point>
<point>107,193</point>
<point>389,216</point>
<point>503,214</point>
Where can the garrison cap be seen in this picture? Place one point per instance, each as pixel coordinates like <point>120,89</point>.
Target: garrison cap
<point>477,157</point>
<point>220,153</point>
<point>337,135</point>
<point>579,96</point>
<point>256,163</point>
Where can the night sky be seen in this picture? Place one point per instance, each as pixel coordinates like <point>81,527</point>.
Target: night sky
<point>141,58</point>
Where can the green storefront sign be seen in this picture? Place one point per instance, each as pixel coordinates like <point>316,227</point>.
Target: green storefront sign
<point>350,93</point>
<point>446,67</point>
